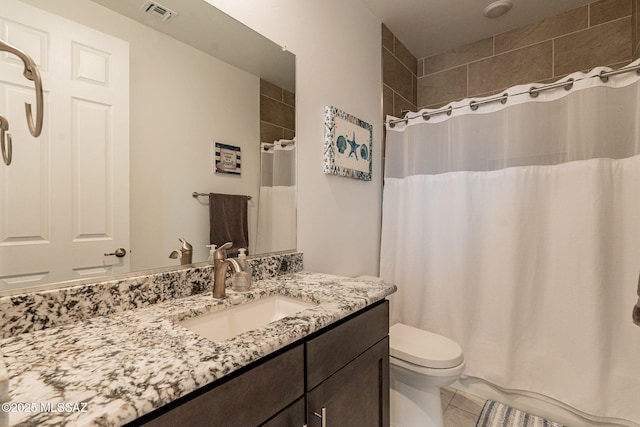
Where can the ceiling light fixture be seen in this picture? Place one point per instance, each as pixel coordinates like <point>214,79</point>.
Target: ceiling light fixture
<point>498,8</point>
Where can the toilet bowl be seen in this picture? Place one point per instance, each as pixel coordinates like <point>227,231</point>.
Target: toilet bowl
<point>420,363</point>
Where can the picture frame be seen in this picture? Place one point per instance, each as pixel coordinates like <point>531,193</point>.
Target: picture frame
<point>347,145</point>
<point>227,159</point>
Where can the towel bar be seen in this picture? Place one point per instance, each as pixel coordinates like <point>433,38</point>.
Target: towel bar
<point>196,194</point>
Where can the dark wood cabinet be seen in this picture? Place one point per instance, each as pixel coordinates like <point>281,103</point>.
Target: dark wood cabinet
<point>248,398</point>
<point>355,396</point>
<point>340,344</point>
<point>341,371</point>
<point>348,372</point>
<point>292,416</point>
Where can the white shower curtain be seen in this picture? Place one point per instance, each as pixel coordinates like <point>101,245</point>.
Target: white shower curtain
<point>277,204</point>
<point>515,230</point>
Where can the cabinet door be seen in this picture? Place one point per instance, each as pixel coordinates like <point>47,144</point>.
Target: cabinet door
<point>355,396</point>
<point>64,201</point>
<point>333,349</point>
<point>292,416</point>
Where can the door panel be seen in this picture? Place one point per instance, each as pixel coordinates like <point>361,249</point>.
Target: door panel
<point>59,208</point>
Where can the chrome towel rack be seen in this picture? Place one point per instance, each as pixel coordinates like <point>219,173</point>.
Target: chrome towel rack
<point>196,195</point>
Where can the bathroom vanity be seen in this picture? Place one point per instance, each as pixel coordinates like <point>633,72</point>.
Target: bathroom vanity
<point>342,371</point>
<point>141,367</point>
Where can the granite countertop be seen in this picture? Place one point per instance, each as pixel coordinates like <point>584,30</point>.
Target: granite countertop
<point>107,371</point>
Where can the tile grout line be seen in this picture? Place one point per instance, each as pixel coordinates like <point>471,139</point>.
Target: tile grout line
<point>449,402</point>
<point>552,38</point>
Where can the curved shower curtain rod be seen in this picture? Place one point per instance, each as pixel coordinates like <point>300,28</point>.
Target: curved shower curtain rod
<point>534,91</point>
<point>281,142</point>
<point>31,73</point>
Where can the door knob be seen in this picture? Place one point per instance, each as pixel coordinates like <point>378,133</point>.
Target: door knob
<point>120,252</point>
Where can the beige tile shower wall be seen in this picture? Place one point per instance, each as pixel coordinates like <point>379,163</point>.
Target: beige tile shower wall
<point>277,113</point>
<point>600,33</point>
<point>399,68</point>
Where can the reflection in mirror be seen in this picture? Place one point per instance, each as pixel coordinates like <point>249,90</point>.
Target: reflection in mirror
<point>277,209</point>
<point>134,107</point>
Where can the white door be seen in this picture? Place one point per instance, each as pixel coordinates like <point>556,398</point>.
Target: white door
<point>64,200</point>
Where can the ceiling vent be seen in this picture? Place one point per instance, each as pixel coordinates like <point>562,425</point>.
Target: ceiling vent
<point>158,11</point>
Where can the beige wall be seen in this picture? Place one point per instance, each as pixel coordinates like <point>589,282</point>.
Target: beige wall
<point>277,113</point>
<point>593,35</point>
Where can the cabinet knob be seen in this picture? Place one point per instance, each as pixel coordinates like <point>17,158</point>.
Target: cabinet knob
<point>323,416</point>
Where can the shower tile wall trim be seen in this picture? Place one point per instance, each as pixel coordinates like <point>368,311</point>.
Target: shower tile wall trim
<point>32,311</point>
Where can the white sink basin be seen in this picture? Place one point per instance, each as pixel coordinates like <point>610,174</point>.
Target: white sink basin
<point>241,318</point>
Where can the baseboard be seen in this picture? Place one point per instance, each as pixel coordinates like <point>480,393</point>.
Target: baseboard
<point>536,404</point>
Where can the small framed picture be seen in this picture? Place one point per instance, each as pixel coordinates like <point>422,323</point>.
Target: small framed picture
<point>347,145</point>
<point>228,159</point>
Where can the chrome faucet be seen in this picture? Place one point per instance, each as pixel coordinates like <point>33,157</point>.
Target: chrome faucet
<point>221,265</point>
<point>184,254</point>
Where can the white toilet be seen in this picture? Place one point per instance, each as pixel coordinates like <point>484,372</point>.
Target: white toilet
<point>420,363</point>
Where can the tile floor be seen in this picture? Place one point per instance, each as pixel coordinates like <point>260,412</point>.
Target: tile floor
<point>460,409</point>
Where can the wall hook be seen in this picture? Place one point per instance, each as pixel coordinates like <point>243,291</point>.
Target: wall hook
<point>5,141</point>
<point>31,73</point>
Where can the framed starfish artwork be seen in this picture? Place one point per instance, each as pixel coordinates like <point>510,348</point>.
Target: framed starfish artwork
<point>347,145</point>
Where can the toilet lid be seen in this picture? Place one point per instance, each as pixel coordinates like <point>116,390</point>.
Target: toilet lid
<point>423,348</point>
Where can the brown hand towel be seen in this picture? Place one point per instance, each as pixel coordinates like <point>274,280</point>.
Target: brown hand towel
<point>228,221</point>
<point>636,308</point>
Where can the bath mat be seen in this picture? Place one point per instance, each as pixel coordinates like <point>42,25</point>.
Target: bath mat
<point>496,414</point>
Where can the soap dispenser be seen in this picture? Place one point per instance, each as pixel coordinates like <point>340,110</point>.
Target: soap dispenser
<point>212,250</point>
<point>242,259</point>
<point>242,279</point>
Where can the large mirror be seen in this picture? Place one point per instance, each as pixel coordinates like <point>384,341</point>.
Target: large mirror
<point>144,103</point>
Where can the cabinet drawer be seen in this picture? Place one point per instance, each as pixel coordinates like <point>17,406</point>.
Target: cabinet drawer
<point>336,347</point>
<point>246,400</point>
